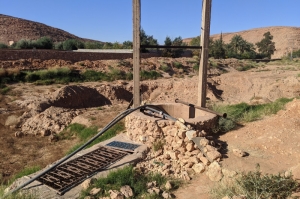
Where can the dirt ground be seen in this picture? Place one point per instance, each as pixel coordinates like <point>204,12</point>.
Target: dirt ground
<point>273,142</point>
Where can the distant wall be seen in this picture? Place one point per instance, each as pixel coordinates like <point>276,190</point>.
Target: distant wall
<point>9,54</point>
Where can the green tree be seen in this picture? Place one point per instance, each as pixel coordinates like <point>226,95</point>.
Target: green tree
<point>195,42</point>
<point>239,48</point>
<point>127,45</point>
<point>117,45</point>
<point>217,48</point>
<point>43,43</point>
<point>3,46</point>
<point>108,45</point>
<point>147,40</point>
<point>93,45</point>
<point>23,44</point>
<point>70,44</point>
<point>168,52</point>
<point>266,46</point>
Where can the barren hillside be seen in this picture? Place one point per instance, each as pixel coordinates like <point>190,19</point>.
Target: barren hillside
<point>14,29</point>
<point>285,38</point>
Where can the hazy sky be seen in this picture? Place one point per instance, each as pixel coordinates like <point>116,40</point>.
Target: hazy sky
<point>111,20</point>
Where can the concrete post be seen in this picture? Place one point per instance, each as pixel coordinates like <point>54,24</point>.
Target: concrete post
<point>205,31</point>
<point>136,7</point>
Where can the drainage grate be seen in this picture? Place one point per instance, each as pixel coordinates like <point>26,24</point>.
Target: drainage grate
<point>70,174</point>
<point>123,145</point>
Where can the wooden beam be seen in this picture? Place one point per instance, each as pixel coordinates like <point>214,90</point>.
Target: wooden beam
<point>205,31</point>
<point>136,7</point>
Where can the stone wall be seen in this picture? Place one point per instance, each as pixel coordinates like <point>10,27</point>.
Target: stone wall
<point>171,149</point>
<point>10,54</point>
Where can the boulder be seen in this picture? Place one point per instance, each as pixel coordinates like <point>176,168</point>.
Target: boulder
<point>214,172</point>
<point>126,191</point>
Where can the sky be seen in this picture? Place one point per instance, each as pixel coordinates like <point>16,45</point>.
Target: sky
<point>111,20</point>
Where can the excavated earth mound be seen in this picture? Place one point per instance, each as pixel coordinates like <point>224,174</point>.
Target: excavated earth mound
<point>78,97</point>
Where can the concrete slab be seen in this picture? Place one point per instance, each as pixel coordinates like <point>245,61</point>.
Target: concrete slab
<point>44,192</point>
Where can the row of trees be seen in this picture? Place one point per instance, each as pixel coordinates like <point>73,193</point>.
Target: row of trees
<point>239,47</point>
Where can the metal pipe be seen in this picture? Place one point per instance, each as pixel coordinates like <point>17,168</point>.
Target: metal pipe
<point>114,121</point>
<point>161,113</point>
<point>224,115</point>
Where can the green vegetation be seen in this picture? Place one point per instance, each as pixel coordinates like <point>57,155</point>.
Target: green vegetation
<point>243,112</point>
<point>168,52</point>
<point>266,47</point>
<point>65,75</point>
<point>3,46</point>
<point>25,172</point>
<point>238,47</point>
<point>147,40</point>
<point>178,65</point>
<point>149,74</point>
<point>4,89</point>
<point>255,185</point>
<point>85,133</point>
<point>157,145</point>
<point>23,195</point>
<point>131,177</point>
<point>42,43</point>
<point>164,67</point>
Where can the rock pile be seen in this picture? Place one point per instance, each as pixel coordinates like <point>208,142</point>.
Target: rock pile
<point>176,149</point>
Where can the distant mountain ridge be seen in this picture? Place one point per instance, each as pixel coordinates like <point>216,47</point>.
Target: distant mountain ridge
<point>14,29</point>
<point>285,38</point>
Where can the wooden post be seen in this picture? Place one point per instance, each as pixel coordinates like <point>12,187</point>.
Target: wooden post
<point>205,31</point>
<point>136,7</point>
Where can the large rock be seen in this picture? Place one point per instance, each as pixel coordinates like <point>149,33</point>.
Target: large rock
<point>199,168</point>
<point>114,194</point>
<point>126,191</point>
<point>214,172</point>
<point>239,152</point>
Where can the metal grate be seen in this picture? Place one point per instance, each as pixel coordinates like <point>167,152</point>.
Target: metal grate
<point>70,174</point>
<point>123,145</point>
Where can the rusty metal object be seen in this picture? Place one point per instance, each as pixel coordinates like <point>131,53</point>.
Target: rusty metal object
<point>70,174</point>
<point>224,115</point>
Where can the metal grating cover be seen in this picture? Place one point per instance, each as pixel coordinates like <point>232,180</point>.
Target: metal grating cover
<point>70,174</point>
<point>123,145</point>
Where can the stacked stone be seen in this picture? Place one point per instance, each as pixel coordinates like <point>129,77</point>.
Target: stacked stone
<point>178,155</point>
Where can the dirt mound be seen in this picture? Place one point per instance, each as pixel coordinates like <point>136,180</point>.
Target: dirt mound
<point>15,29</point>
<point>52,120</point>
<point>78,97</point>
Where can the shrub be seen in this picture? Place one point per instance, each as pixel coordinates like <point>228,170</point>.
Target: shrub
<point>4,90</point>
<point>164,67</point>
<point>149,74</point>
<point>23,44</point>
<point>178,65</point>
<point>3,46</point>
<point>196,67</point>
<point>72,44</point>
<point>254,185</point>
<point>43,43</point>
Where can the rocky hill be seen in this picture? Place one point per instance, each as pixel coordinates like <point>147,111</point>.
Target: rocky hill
<point>14,29</point>
<point>285,38</point>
